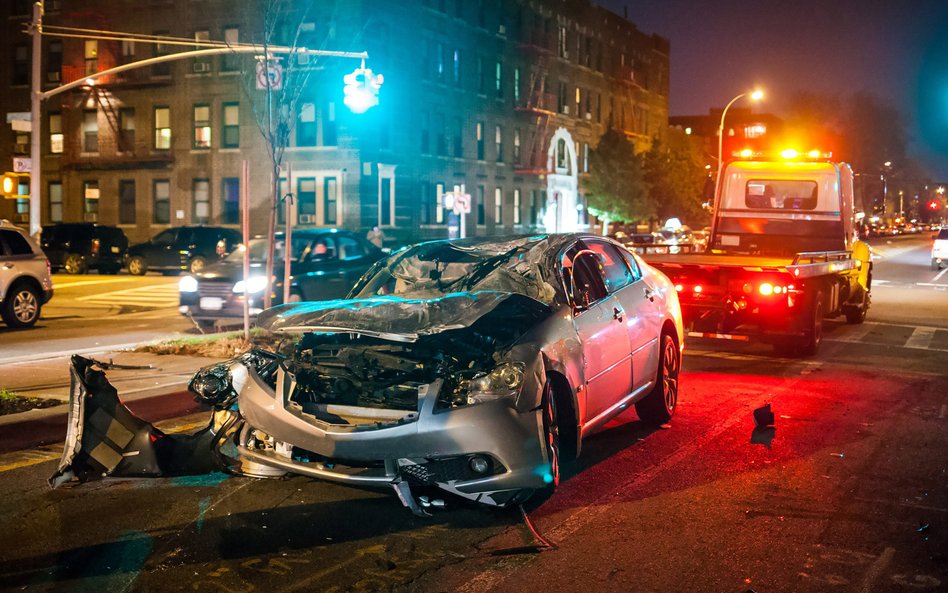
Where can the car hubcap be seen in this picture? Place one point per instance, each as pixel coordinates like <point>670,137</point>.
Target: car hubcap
<point>24,306</point>
<point>72,265</point>
<point>670,370</point>
<point>135,266</point>
<point>197,265</point>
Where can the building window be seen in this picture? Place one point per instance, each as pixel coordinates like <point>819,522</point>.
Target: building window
<point>162,70</point>
<point>90,198</point>
<point>424,188</point>
<point>126,139</point>
<point>480,205</point>
<point>499,143</point>
<point>55,133</point>
<point>161,201</point>
<point>92,56</point>
<point>498,206</point>
<point>201,65</point>
<point>516,146</point>
<point>306,200</point>
<point>563,102</point>
<point>20,73</point>
<point>425,133</point>
<point>329,124</point>
<point>456,67</point>
<point>481,76</point>
<point>442,135</point>
<point>202,126</point>
<point>516,206</point>
<point>499,79</point>
<point>516,85</point>
<point>90,130</point>
<point>201,201</point>
<point>162,128</point>
<point>128,51</point>
<point>459,138</point>
<point>330,189</point>
<point>126,201</point>
<point>439,61</point>
<point>306,125</point>
<point>754,131</point>
<point>54,62</point>
<point>585,157</point>
<point>231,62</point>
<point>21,143</point>
<point>561,154</point>
<point>563,42</point>
<point>230,134</point>
<point>55,201</point>
<point>598,107</point>
<point>230,200</point>
<point>480,140</point>
<point>386,201</point>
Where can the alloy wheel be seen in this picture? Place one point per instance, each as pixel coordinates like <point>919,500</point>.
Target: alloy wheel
<point>671,367</point>
<point>25,306</point>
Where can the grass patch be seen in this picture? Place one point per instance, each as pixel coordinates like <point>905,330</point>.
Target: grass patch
<point>12,402</point>
<point>224,345</point>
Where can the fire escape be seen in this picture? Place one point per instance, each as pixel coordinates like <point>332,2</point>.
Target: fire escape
<point>538,104</point>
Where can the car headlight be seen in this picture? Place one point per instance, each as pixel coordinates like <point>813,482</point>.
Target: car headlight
<point>253,285</point>
<point>188,284</point>
<point>503,381</point>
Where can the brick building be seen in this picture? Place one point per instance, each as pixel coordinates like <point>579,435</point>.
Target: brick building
<point>742,129</point>
<point>503,98</point>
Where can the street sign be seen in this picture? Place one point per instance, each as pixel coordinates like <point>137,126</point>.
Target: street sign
<point>22,165</point>
<point>462,203</point>
<point>269,75</point>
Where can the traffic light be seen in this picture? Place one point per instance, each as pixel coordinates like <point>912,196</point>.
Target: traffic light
<point>934,205</point>
<point>362,89</point>
<point>15,186</point>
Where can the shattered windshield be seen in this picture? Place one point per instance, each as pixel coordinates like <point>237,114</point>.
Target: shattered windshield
<point>432,270</point>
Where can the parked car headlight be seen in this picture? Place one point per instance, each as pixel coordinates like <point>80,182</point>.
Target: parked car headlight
<point>188,284</point>
<point>503,381</point>
<point>253,285</point>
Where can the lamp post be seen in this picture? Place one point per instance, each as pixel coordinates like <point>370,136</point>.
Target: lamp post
<point>755,95</point>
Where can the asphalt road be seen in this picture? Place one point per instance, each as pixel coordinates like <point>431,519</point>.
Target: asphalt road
<point>94,311</point>
<point>849,492</point>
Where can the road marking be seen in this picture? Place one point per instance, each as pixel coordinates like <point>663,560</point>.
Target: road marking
<point>857,335</point>
<point>940,274</point>
<point>931,284</point>
<point>57,284</point>
<point>165,295</point>
<point>881,563</point>
<point>921,338</point>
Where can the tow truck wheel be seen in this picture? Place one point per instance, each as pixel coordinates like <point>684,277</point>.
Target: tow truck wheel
<point>813,335</point>
<point>856,314</point>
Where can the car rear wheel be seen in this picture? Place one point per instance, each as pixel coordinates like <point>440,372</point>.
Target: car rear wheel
<point>659,405</point>
<point>136,266</point>
<point>75,264</point>
<point>196,265</point>
<point>22,307</point>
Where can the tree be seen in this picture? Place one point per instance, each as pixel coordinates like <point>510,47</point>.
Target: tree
<point>675,172</point>
<point>616,189</point>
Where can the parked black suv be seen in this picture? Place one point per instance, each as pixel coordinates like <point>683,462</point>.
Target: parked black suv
<point>182,248</point>
<point>77,247</point>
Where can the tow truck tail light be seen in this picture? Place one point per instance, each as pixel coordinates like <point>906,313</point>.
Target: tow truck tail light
<point>698,288</point>
<point>679,287</point>
<point>95,246</point>
<point>766,289</point>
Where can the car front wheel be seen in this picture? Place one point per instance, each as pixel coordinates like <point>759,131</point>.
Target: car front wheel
<point>196,265</point>
<point>22,307</point>
<point>659,405</point>
<point>136,266</point>
<point>551,437</point>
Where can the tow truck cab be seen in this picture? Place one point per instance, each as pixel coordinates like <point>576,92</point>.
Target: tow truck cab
<point>782,255</point>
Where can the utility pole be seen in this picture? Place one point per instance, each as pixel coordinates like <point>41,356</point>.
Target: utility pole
<point>36,96</point>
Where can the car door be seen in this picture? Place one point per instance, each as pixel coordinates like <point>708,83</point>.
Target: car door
<point>162,251</point>
<point>320,276</point>
<point>650,307</point>
<point>604,340</point>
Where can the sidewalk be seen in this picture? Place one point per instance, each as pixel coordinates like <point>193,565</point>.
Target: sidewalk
<point>155,393</point>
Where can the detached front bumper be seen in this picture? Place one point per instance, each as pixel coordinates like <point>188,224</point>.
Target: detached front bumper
<point>427,448</point>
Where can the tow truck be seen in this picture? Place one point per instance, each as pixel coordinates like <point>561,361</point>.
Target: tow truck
<point>782,255</point>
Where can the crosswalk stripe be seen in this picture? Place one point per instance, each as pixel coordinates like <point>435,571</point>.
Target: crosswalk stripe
<point>921,338</point>
<point>857,335</point>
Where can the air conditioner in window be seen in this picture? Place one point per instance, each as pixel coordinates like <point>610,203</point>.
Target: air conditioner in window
<point>307,218</point>
<point>201,67</point>
<point>589,115</point>
<point>22,217</point>
<point>53,76</point>
<point>565,109</point>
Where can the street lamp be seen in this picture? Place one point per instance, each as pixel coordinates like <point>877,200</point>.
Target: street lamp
<point>755,95</point>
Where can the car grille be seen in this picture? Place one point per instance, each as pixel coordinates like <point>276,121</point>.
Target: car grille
<point>223,290</point>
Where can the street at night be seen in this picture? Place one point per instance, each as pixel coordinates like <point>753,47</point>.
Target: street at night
<point>846,492</point>
<point>358,296</point>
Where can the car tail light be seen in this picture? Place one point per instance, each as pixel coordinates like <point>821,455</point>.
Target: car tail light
<point>95,246</point>
<point>221,248</point>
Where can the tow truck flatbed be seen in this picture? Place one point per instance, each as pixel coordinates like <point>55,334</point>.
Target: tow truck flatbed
<point>802,265</point>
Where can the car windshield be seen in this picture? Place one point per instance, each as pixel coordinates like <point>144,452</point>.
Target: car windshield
<point>432,270</point>
<point>258,249</point>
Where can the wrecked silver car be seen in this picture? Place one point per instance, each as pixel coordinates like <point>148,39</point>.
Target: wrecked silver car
<point>470,367</point>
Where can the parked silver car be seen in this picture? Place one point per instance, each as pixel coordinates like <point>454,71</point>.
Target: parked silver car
<point>470,366</point>
<point>25,283</point>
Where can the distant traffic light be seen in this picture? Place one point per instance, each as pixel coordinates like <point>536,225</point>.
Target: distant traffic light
<point>934,205</point>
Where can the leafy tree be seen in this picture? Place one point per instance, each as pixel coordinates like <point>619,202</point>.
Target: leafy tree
<point>617,190</point>
<point>674,169</point>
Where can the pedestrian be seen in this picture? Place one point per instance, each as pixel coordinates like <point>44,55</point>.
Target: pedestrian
<point>376,237</point>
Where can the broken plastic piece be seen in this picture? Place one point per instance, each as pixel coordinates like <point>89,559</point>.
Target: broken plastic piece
<point>763,416</point>
<point>840,455</point>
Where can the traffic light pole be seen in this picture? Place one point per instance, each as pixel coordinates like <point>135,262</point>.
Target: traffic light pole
<point>37,95</point>
<point>36,129</point>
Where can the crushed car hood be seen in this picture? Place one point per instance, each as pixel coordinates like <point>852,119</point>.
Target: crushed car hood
<point>389,316</point>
